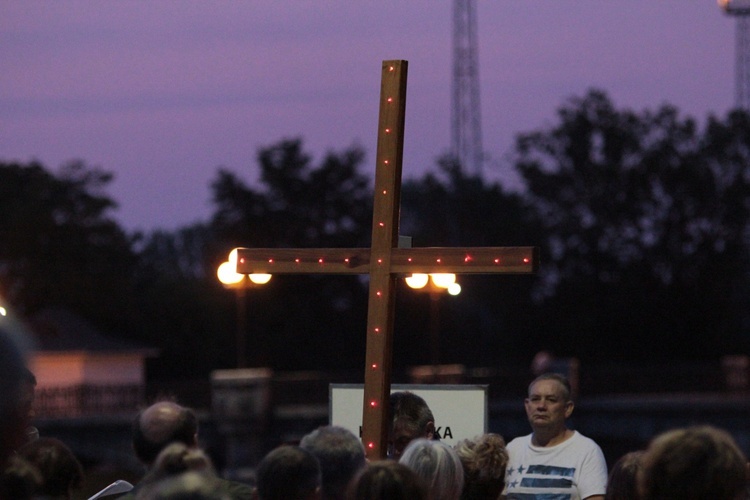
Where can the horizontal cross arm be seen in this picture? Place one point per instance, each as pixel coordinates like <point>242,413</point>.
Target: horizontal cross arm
<point>303,260</point>
<point>403,261</point>
<point>477,260</point>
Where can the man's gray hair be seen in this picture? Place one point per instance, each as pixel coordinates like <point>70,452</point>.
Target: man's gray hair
<point>562,379</point>
<point>341,456</point>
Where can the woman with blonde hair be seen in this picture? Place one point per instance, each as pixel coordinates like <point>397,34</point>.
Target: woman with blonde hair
<point>484,460</point>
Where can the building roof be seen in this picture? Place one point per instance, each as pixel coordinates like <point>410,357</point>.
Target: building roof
<point>60,330</point>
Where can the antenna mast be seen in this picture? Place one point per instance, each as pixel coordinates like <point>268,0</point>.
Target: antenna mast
<point>740,9</point>
<point>466,123</point>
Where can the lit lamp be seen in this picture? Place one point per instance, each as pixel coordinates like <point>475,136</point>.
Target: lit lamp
<point>230,278</point>
<point>439,282</point>
<point>435,285</point>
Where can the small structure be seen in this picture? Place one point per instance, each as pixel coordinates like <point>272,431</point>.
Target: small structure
<point>81,372</point>
<point>241,405</point>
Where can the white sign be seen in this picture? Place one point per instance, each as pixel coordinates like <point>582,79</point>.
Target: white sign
<point>460,411</point>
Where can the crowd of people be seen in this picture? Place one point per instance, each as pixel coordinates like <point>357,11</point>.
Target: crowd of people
<point>552,462</point>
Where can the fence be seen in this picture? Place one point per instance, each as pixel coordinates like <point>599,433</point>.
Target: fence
<point>87,400</point>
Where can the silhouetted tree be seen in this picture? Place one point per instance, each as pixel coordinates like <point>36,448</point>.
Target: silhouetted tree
<point>59,245</point>
<point>180,306</point>
<point>297,204</point>
<point>452,208</point>
<point>300,321</point>
<point>646,223</point>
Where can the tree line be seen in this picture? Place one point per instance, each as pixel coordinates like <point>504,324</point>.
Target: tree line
<point>642,218</point>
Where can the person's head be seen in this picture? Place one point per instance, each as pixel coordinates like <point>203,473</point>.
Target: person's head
<point>19,480</point>
<point>438,464</point>
<point>60,469</point>
<point>340,454</point>
<point>189,485</point>
<point>160,424</point>
<point>28,394</point>
<point>484,460</point>
<point>548,404</point>
<point>622,482</point>
<point>28,388</point>
<point>388,480</point>
<point>14,419</point>
<point>411,418</point>
<point>288,473</point>
<point>177,458</point>
<point>693,463</point>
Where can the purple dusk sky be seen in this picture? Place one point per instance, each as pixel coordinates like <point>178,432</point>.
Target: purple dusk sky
<point>162,93</point>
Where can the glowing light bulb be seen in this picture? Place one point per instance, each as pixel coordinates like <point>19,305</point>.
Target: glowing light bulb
<point>270,261</point>
<point>454,289</point>
<point>373,404</point>
<point>371,445</point>
<point>260,278</point>
<point>320,261</point>
<point>374,366</point>
<point>443,280</point>
<point>227,273</point>
<point>296,260</point>
<point>417,280</point>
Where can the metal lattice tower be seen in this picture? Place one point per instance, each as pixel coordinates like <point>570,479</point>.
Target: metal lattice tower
<point>740,9</point>
<point>466,122</point>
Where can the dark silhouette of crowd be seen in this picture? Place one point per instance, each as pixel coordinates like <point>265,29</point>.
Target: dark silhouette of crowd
<point>329,463</point>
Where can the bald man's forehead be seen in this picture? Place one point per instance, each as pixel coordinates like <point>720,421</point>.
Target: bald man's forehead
<point>160,419</point>
<point>164,407</point>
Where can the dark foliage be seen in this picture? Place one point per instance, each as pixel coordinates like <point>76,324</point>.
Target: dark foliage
<point>643,220</point>
<point>646,232</point>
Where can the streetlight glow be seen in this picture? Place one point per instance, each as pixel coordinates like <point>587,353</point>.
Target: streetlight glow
<point>417,280</point>
<point>230,278</point>
<point>227,273</point>
<point>436,284</point>
<point>443,280</point>
<point>259,279</point>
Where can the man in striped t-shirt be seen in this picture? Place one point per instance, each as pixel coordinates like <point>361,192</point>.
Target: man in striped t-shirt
<point>553,461</point>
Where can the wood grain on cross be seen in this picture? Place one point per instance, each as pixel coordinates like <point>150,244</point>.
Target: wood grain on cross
<point>384,261</point>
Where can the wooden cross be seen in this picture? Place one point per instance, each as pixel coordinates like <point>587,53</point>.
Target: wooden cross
<point>384,261</point>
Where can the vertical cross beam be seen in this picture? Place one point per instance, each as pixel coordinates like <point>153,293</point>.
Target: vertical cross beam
<point>385,222</point>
